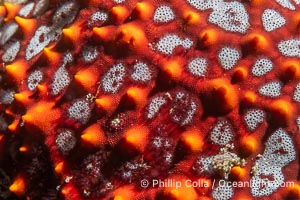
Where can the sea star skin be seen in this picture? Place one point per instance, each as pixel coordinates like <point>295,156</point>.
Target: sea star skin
<point>97,96</point>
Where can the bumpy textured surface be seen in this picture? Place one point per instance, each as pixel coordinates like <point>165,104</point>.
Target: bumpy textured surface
<point>99,96</point>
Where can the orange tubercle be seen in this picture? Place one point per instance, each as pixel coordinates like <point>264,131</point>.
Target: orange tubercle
<point>290,70</point>
<point>281,112</point>
<point>192,138</point>
<point>23,149</point>
<point>93,135</point>
<point>295,22</point>
<point>28,26</point>
<point>238,173</point>
<point>255,43</point>
<point>132,35</point>
<point>52,56</point>
<point>219,96</point>
<point>294,191</point>
<point>239,74</point>
<point>69,191</point>
<point>248,145</point>
<point>9,112</point>
<point>14,125</point>
<point>242,196</point>
<point>138,95</point>
<point>23,97</point>
<point>191,17</point>
<point>123,193</point>
<point>204,185</point>
<point>87,78</point>
<point>105,33</point>
<point>18,186</point>
<point>118,197</point>
<point>144,10</point>
<point>257,2</point>
<point>119,14</point>
<point>42,89</point>
<point>249,97</point>
<point>137,136</point>
<point>2,11</point>
<point>208,37</point>
<point>72,33</point>
<point>173,68</point>
<point>106,103</point>
<point>12,10</point>
<point>17,70</point>
<point>59,167</point>
<point>42,115</point>
<point>180,191</point>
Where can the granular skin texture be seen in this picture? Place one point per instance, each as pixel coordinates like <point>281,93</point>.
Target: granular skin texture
<point>136,100</point>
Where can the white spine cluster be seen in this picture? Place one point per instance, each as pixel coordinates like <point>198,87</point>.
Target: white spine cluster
<point>262,186</point>
<point>3,123</point>
<point>183,109</point>
<point>89,54</point>
<point>279,149</point>
<point>7,31</point>
<point>65,14</point>
<point>26,10</point>
<point>68,58</point>
<point>169,42</point>
<point>119,1</point>
<point>40,7</point>
<point>11,52</point>
<point>99,16</point>
<point>113,79</point>
<point>271,89</point>
<point>296,96</point>
<point>34,79</point>
<point>198,67</point>
<point>60,81</point>
<point>131,168</point>
<point>224,191</point>
<point>262,67</point>
<point>228,57</point>
<point>80,111</point>
<point>65,141</point>
<point>254,118</point>
<point>272,20</point>
<point>204,165</point>
<point>222,133</point>
<point>231,17</point>
<point>290,47</point>
<point>288,4</point>
<point>298,123</point>
<point>141,72</point>
<point>163,14</point>
<point>159,142</point>
<point>163,145</point>
<point>6,96</point>
<point>168,157</point>
<point>16,1</point>
<point>279,152</point>
<point>154,106</point>
<point>38,42</point>
<point>204,4</point>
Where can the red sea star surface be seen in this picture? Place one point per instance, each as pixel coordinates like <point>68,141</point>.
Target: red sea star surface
<point>149,99</point>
